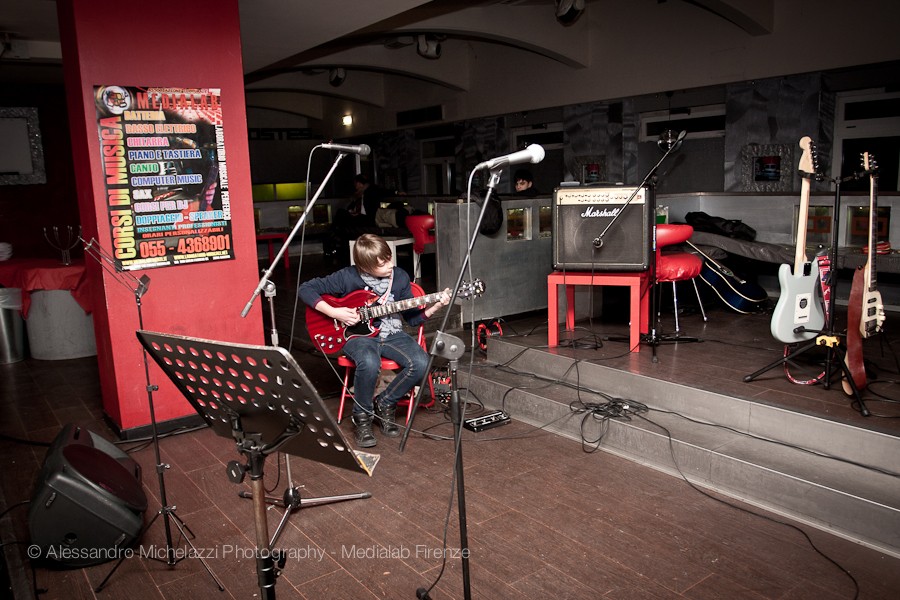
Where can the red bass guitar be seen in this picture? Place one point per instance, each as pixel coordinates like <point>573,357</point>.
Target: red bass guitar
<point>865,310</point>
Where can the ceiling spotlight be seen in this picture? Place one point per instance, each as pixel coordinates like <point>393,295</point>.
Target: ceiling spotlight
<point>428,47</point>
<point>337,76</point>
<point>347,120</point>
<point>568,11</point>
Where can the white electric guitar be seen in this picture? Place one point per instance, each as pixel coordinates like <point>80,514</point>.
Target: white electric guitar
<point>798,314</point>
<point>872,319</point>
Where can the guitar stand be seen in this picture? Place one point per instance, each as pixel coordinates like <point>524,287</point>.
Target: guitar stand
<point>260,397</point>
<point>835,353</point>
<point>827,337</point>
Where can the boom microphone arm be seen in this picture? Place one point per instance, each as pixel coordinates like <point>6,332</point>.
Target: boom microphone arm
<point>598,241</point>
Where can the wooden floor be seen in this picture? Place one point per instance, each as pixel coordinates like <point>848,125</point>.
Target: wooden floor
<point>545,519</point>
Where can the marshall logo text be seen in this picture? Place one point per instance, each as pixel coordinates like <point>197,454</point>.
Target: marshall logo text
<point>593,211</point>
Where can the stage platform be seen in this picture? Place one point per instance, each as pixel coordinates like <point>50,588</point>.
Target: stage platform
<point>802,451</point>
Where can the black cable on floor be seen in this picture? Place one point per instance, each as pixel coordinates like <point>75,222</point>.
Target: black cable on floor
<point>16,440</point>
<point>603,412</point>
<point>748,511</point>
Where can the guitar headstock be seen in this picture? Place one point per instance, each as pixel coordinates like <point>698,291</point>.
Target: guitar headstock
<point>868,162</point>
<point>809,160</point>
<point>471,289</point>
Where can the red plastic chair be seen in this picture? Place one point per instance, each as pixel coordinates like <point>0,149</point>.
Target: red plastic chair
<point>677,266</point>
<point>388,365</point>
<point>422,229</point>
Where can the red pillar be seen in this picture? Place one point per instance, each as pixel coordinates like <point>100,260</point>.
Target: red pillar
<point>186,45</point>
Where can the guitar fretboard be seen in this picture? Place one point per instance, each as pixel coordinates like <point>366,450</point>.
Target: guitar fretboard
<point>873,231</point>
<point>381,310</point>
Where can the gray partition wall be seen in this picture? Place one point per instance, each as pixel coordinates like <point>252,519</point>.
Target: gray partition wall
<point>513,262</point>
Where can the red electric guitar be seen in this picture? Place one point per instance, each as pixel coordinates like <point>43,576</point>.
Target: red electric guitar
<point>330,336</point>
<point>865,310</point>
<point>872,319</point>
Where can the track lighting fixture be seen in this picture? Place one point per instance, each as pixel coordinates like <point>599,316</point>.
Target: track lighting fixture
<point>568,11</point>
<point>428,46</point>
<point>337,76</point>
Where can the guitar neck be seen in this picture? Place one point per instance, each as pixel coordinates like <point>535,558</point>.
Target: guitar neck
<point>381,310</point>
<point>802,219</point>
<point>873,232</point>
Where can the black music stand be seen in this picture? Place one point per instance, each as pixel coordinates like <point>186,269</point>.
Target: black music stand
<point>260,397</point>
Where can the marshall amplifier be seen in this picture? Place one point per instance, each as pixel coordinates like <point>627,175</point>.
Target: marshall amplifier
<point>582,214</point>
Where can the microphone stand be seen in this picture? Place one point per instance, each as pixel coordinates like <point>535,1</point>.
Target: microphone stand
<point>265,283</point>
<point>654,337</point>
<point>291,499</point>
<point>598,241</point>
<point>139,287</point>
<point>452,348</point>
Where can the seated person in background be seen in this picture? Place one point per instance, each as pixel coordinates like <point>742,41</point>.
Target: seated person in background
<point>367,198</point>
<point>363,206</point>
<point>360,216</point>
<point>525,184</point>
<point>374,272</point>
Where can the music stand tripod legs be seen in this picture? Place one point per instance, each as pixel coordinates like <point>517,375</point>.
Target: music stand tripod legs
<point>259,397</point>
<point>292,500</point>
<point>166,511</point>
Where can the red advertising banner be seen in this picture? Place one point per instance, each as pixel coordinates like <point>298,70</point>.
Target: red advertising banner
<point>163,154</point>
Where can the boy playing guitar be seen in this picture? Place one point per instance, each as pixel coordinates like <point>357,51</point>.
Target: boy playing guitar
<point>374,271</point>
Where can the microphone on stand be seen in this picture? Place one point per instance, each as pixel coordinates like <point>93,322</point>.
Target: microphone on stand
<point>362,149</point>
<point>668,142</point>
<point>534,154</point>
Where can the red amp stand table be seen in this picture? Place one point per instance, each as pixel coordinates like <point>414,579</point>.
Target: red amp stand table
<point>639,304</point>
<point>270,237</point>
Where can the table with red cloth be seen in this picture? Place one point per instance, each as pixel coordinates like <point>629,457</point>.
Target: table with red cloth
<point>33,274</point>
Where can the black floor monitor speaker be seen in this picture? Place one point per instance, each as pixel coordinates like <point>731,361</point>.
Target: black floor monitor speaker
<point>88,504</point>
<point>581,240</point>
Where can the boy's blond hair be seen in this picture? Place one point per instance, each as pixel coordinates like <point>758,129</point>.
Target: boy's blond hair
<point>369,251</point>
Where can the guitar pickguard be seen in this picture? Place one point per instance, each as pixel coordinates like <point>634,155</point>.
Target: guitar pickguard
<point>798,306</point>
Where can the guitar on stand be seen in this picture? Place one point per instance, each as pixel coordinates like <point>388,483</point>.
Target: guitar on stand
<point>865,311</point>
<point>827,337</point>
<point>798,314</point>
<point>823,259</point>
<point>872,321</point>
